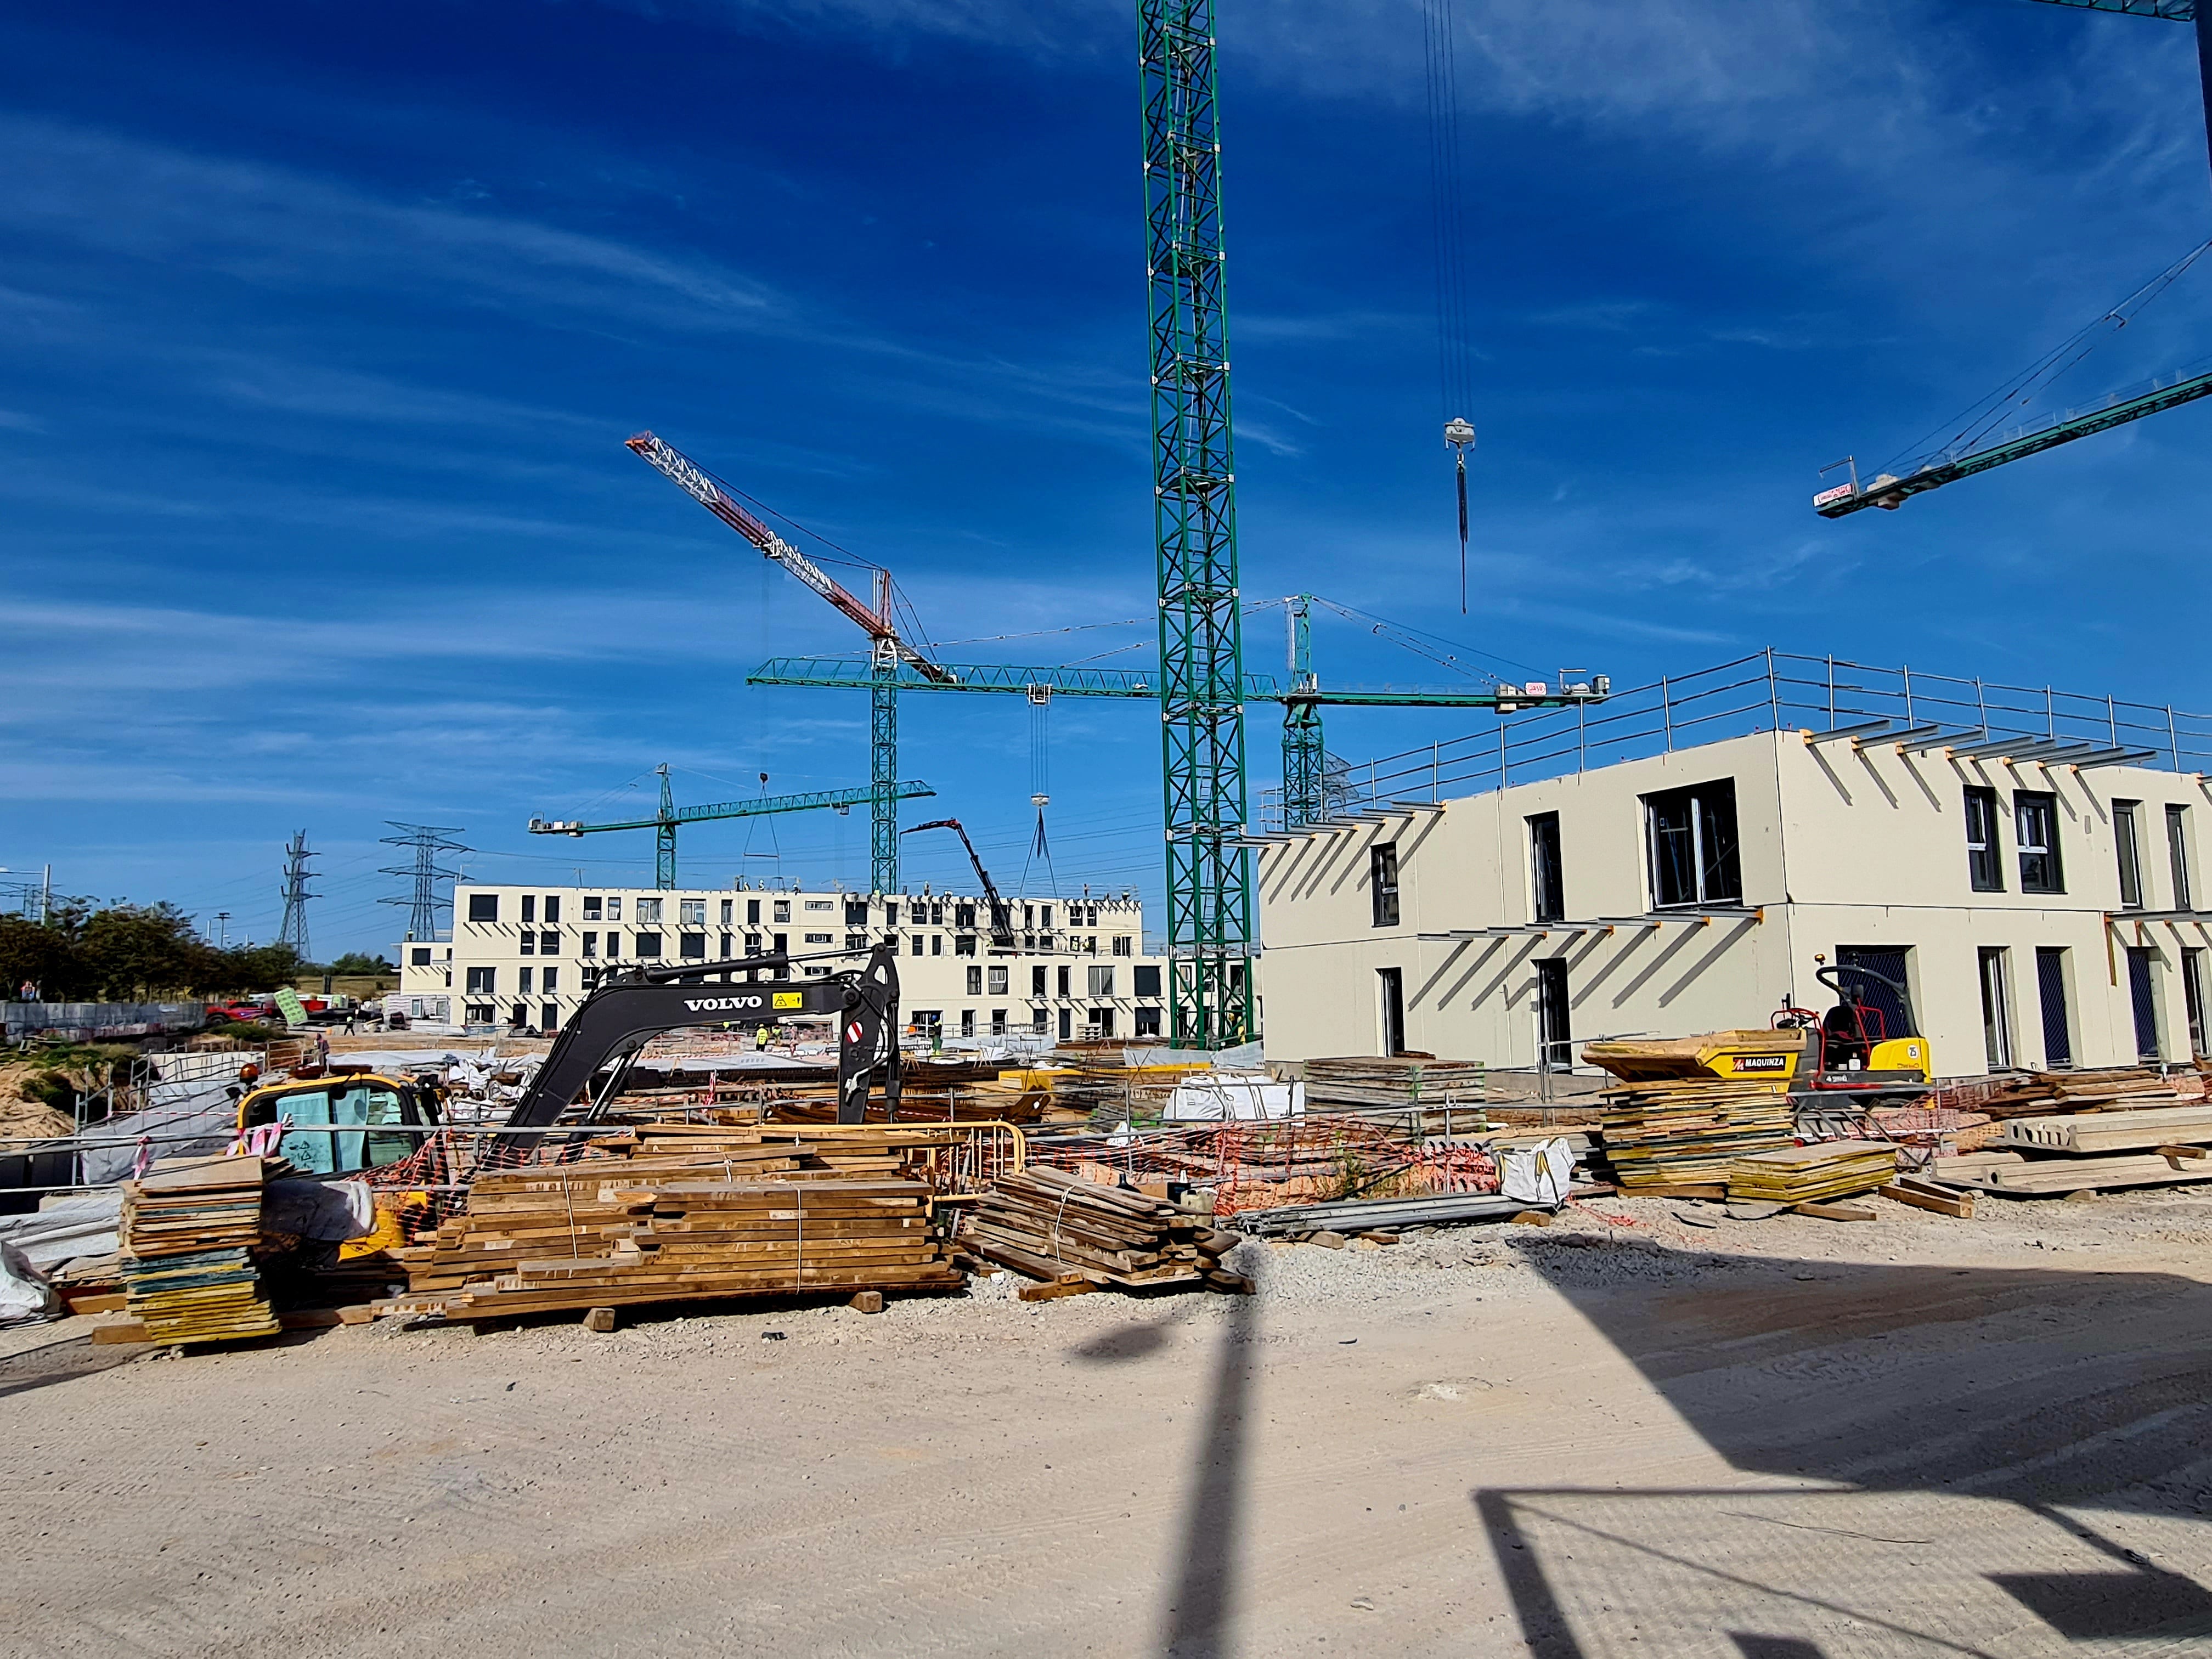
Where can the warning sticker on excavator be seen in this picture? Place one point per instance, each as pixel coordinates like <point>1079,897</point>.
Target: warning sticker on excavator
<point>787,1000</point>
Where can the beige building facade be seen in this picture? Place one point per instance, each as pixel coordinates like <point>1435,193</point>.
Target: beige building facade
<point>2040,899</point>
<point>527,955</point>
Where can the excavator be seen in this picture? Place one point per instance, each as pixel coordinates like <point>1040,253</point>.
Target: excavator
<point>1847,1057</point>
<point>379,1119</point>
<point>1002,918</point>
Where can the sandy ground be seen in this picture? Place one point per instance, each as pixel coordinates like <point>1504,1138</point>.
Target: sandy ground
<point>1625,1435</point>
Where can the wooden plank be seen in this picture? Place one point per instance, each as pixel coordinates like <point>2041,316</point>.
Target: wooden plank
<point>1960,1206</point>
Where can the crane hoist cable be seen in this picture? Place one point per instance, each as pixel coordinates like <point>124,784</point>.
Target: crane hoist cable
<point>1448,230</point>
<point>1975,423</point>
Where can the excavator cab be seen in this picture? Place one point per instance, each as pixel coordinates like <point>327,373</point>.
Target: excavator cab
<point>344,1121</point>
<point>1858,1048</point>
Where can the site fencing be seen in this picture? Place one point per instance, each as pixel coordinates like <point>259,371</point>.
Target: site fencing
<point>1767,691</point>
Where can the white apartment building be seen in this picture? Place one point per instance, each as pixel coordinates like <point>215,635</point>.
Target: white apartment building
<point>2040,898</point>
<point>526,955</point>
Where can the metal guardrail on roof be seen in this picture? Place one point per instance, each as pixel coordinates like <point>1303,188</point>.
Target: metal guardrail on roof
<point>1779,691</point>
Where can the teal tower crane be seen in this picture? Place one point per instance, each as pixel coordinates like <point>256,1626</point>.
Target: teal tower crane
<point>663,823</point>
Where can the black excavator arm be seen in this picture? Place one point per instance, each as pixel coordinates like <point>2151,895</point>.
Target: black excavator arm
<point>616,1020</point>
<point>1002,918</point>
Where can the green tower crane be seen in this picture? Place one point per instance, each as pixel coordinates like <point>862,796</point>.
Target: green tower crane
<point>663,823</point>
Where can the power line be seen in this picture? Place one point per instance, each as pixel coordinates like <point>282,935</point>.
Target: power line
<point>294,931</point>
<point>428,841</point>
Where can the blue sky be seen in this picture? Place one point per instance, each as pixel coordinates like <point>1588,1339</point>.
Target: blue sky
<point>320,330</point>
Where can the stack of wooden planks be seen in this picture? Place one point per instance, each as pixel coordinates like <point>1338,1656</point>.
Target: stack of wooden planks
<point>1067,1231</point>
<point>605,1232</point>
<point>1400,1080</point>
<point>2116,1089</point>
<point>1688,1133</point>
<point>188,1227</point>
<point>1810,1174</point>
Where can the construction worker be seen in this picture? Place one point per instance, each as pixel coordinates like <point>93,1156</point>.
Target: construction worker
<point>248,1075</point>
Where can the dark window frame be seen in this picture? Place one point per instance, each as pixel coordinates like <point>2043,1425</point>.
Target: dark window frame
<point>2042,866</point>
<point>2177,856</point>
<point>1382,879</point>
<point>2127,850</point>
<point>484,906</point>
<point>1985,857</point>
<point>1694,847</point>
<point>1547,879</point>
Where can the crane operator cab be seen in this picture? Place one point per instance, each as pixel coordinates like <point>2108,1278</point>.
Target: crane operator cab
<point>344,1121</point>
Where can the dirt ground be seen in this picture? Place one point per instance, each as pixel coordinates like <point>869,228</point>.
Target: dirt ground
<point>1624,1435</point>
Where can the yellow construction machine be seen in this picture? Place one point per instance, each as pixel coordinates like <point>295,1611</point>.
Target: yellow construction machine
<point>1847,1057</point>
<point>365,1106</point>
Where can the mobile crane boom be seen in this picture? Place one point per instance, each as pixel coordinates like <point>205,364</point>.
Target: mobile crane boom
<point>1002,921</point>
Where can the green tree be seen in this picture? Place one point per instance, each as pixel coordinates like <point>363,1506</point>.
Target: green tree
<point>360,961</point>
<point>134,952</point>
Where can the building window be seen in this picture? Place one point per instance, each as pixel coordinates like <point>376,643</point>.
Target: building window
<point>1984,863</point>
<point>729,943</point>
<point>998,976</point>
<point>484,982</point>
<point>552,909</point>
<point>1102,1023</point>
<point>782,945</point>
<point>856,912</point>
<point>548,944</point>
<point>2035,826</point>
<point>421,957</point>
<point>524,985</point>
<point>1044,917</point>
<point>614,908</point>
<point>1390,991</point>
<point>1066,1024</point>
<point>527,945</point>
<point>752,913</point>
<point>929,1021</point>
<point>915,940</point>
<point>477,1013</point>
<point>1036,979</point>
<point>484,906</point>
<point>1997,1007</point>
<point>548,981</point>
<point>2177,858</point>
<point>963,915</point>
<point>1148,1022</point>
<point>692,947</point>
<point>1382,883</point>
<point>998,1022</point>
<point>1065,972</point>
<point>1121,946</point>
<point>590,946</point>
<point>1555,1049</point>
<point>1041,1022</point>
<point>591,979</point>
<point>1147,977</point>
<point>2128,847</point>
<point>975,981</point>
<point>819,939</point>
<point>530,907</point>
<point>1547,884</point>
<point>967,1022</point>
<point>647,944</point>
<point>591,907</point>
<point>648,912</point>
<point>691,913</point>
<point>782,910</point>
<point>821,904</point>
<point>1101,979</point>
<point>2050,994</point>
<point>856,941</point>
<point>2142,998</point>
<point>549,1018</point>
<point>1693,836</point>
<point>2192,997</point>
<point>964,945</point>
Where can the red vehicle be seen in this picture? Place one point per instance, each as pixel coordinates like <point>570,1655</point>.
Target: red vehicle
<point>221,1013</point>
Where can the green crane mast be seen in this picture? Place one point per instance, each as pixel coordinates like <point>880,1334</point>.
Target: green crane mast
<point>1305,757</point>
<point>1201,692</point>
<point>663,823</point>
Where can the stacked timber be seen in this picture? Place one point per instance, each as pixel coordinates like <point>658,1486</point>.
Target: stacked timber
<point>1398,1080</point>
<point>2111,1130</point>
<point>1811,1174</point>
<point>1999,1170</point>
<point>586,1237</point>
<point>1689,1134</point>
<point>189,1225</point>
<point>2042,1094</point>
<point>1066,1230</point>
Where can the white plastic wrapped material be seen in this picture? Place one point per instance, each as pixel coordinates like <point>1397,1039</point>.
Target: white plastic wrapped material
<point>26,1298</point>
<point>1538,1175</point>
<point>1215,1099</point>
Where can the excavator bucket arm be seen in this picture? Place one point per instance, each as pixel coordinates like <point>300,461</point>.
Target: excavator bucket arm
<point>621,1016</point>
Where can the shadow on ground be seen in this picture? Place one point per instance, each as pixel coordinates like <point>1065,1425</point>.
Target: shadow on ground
<point>2046,1390</point>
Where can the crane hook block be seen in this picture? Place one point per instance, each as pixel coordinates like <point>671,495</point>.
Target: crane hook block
<point>1459,433</point>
